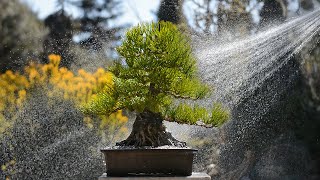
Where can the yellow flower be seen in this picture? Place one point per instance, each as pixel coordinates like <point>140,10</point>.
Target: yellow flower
<point>63,70</point>
<point>99,72</point>
<point>54,59</point>
<point>82,72</point>
<point>68,76</point>
<point>10,74</point>
<point>33,74</point>
<point>22,94</point>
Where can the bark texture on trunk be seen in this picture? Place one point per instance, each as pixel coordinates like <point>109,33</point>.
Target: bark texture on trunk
<point>148,130</point>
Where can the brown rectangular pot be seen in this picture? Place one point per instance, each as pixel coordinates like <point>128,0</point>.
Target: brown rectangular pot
<point>149,162</point>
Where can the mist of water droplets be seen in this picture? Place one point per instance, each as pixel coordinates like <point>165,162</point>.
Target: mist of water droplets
<point>238,68</point>
<point>235,69</point>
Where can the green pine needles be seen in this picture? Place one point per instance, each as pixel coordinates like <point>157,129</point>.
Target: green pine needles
<point>156,67</point>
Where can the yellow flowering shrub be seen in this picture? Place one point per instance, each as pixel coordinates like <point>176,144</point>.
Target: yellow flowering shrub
<point>13,88</point>
<point>77,87</point>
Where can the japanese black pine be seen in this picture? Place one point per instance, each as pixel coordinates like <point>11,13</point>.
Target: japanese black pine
<point>155,74</point>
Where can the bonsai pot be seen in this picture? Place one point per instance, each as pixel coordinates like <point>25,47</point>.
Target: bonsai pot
<point>149,162</point>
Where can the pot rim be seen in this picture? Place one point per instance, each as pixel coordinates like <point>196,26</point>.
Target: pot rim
<point>141,149</point>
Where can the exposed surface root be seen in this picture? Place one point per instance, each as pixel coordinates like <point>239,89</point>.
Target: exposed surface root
<point>148,130</point>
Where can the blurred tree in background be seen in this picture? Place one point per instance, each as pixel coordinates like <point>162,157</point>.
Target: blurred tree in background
<point>97,31</point>
<point>96,23</point>
<point>59,38</point>
<point>233,18</point>
<point>94,32</point>
<point>310,56</point>
<point>20,34</point>
<point>307,4</point>
<point>230,18</point>
<point>171,10</point>
<point>273,12</point>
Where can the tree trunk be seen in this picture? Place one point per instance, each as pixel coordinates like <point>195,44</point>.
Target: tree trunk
<point>273,12</point>
<point>171,10</point>
<point>148,130</point>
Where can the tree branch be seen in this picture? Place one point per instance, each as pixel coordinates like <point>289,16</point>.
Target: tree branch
<point>174,94</point>
<point>198,123</point>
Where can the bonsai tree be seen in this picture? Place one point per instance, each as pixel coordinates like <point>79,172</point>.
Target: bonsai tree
<point>156,73</point>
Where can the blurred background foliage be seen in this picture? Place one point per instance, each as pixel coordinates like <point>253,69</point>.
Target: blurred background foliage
<point>32,84</point>
<point>20,35</point>
<point>56,82</point>
<point>49,82</point>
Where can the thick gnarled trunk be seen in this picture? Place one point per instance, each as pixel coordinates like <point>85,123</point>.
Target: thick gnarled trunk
<point>148,130</point>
